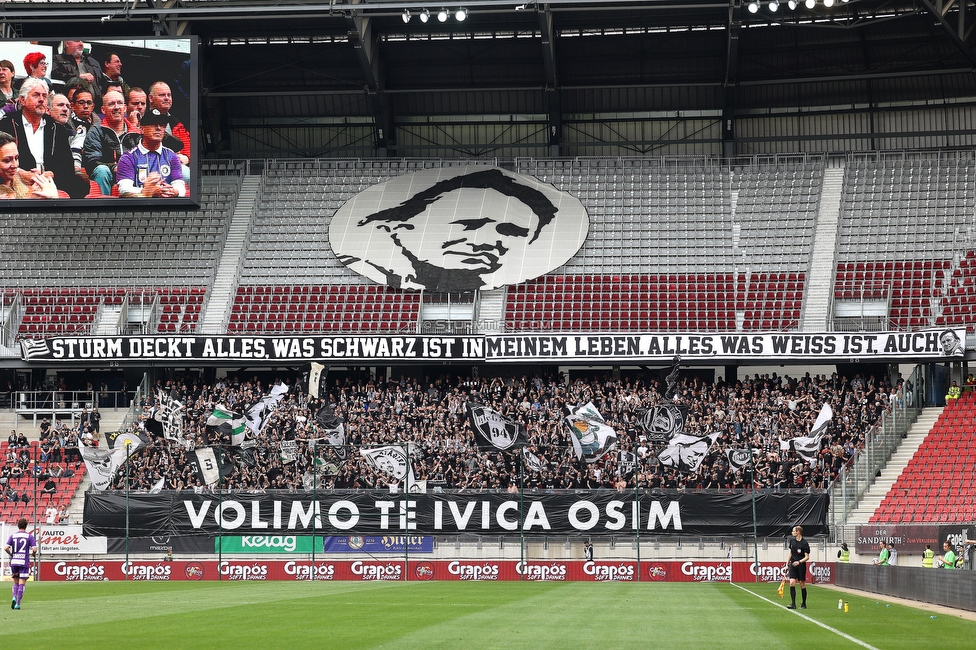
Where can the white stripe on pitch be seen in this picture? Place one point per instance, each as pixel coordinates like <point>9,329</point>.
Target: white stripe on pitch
<point>805,617</point>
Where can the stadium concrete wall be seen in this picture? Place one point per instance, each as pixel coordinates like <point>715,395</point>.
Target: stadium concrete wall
<point>951,588</point>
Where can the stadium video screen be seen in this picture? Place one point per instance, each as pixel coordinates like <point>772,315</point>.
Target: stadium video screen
<point>98,123</point>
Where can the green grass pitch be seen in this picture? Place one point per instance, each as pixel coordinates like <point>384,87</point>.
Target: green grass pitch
<point>455,615</point>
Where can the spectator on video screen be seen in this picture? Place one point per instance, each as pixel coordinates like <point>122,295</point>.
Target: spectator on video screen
<point>36,65</point>
<point>16,183</point>
<point>8,96</point>
<point>41,144</point>
<point>74,66</point>
<point>107,88</point>
<point>59,109</point>
<point>112,73</point>
<point>151,169</point>
<point>82,119</point>
<point>135,106</point>
<point>106,143</point>
<point>161,99</point>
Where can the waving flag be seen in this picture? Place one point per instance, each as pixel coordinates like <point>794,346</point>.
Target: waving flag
<point>314,379</point>
<point>209,467</point>
<point>685,453</point>
<point>117,439</point>
<point>392,460</point>
<point>103,464</point>
<point>626,461</point>
<point>493,431</point>
<point>167,417</point>
<point>808,447</point>
<point>739,458</point>
<point>260,410</point>
<point>592,437</point>
<point>532,461</point>
<point>331,429</point>
<point>228,422</point>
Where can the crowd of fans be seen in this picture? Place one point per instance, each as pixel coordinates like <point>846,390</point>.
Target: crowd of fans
<point>761,412</point>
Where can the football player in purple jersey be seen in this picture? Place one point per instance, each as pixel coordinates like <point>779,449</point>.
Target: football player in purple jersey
<point>21,546</point>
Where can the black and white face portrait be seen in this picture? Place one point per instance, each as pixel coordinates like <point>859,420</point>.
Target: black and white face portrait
<point>951,343</point>
<point>458,229</point>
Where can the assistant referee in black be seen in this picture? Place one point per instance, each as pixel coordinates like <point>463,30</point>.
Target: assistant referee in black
<point>799,556</point>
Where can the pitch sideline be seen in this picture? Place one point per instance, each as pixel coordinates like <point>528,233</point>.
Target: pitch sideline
<point>805,617</point>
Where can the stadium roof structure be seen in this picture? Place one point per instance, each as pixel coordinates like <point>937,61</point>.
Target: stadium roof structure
<point>272,66</point>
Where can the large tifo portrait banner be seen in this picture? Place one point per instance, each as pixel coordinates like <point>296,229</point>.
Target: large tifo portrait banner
<point>380,513</point>
<point>553,348</point>
<point>398,570</point>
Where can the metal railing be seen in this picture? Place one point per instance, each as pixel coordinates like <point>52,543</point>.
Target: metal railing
<point>136,405</point>
<point>879,444</point>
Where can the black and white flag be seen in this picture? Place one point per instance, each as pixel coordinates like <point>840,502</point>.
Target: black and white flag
<point>258,412</point>
<point>532,462</point>
<point>391,460</point>
<point>288,450</point>
<point>169,415</point>
<point>209,468</point>
<point>314,378</point>
<point>331,430</point>
<point>666,420</point>
<point>32,349</point>
<point>739,458</point>
<point>493,431</point>
<point>626,460</point>
<point>808,447</point>
<point>685,453</point>
<point>103,464</point>
<point>661,422</point>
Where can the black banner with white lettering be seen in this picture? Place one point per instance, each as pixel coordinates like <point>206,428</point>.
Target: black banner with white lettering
<point>253,348</point>
<point>381,513</point>
<point>203,545</point>
<point>830,347</point>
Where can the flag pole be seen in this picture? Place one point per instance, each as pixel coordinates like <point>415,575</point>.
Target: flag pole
<point>406,526</point>
<point>220,518</point>
<point>36,523</point>
<point>128,443</point>
<point>521,464</point>
<point>315,513</point>
<point>637,498</point>
<point>755,536</point>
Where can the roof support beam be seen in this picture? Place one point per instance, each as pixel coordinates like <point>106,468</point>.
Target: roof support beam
<point>732,41</point>
<point>731,67</point>
<point>553,105</point>
<point>366,46</point>
<point>162,24</point>
<point>958,34</point>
